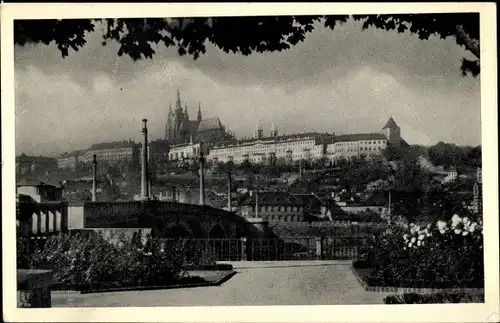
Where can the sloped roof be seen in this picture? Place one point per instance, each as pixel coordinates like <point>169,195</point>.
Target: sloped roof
<point>360,136</point>
<point>210,124</point>
<point>113,145</point>
<point>390,124</point>
<point>272,198</point>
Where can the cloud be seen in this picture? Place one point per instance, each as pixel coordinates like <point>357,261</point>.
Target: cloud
<point>343,81</point>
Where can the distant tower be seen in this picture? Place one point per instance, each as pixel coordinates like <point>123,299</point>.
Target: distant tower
<point>168,126</point>
<point>258,131</point>
<point>199,112</point>
<point>186,114</point>
<point>274,130</point>
<point>393,132</point>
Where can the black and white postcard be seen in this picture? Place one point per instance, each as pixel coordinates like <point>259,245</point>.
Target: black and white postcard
<point>250,162</point>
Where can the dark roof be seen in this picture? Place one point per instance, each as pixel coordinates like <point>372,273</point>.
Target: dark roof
<point>307,198</point>
<point>360,136</point>
<point>209,124</point>
<point>272,198</point>
<point>113,145</point>
<point>71,154</point>
<point>390,124</point>
<point>319,137</point>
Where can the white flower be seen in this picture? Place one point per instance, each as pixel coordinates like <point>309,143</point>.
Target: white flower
<point>455,220</point>
<point>405,237</point>
<point>410,244</point>
<point>413,240</point>
<point>442,226</point>
<point>419,243</point>
<point>465,232</point>
<point>472,227</point>
<point>458,231</point>
<point>466,220</point>
<point>421,237</point>
<point>423,243</point>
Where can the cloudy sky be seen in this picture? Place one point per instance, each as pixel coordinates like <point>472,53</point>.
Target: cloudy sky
<point>345,81</point>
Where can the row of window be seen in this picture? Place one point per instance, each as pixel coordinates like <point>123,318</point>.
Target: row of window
<point>278,209</point>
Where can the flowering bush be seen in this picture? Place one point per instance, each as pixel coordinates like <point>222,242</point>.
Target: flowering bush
<point>93,262</point>
<point>412,298</point>
<point>448,254</point>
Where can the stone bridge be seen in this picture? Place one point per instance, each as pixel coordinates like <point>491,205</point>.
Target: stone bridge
<point>169,219</point>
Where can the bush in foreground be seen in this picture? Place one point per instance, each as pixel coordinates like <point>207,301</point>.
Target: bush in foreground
<point>448,255</point>
<point>437,298</point>
<point>93,262</point>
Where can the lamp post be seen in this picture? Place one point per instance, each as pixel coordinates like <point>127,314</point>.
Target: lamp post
<point>144,170</point>
<point>94,178</point>
<point>202,180</point>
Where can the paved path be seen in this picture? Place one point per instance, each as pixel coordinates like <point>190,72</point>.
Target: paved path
<point>256,283</point>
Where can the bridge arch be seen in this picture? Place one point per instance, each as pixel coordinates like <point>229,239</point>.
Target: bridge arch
<point>178,231</point>
<point>217,232</point>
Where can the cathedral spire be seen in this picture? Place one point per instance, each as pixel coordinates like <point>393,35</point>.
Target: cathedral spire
<point>168,125</point>
<point>199,111</point>
<point>178,103</point>
<point>186,114</point>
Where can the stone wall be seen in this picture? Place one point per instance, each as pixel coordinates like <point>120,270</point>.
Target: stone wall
<point>139,214</point>
<point>34,288</point>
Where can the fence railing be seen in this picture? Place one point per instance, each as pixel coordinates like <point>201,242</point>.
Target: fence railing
<point>271,249</point>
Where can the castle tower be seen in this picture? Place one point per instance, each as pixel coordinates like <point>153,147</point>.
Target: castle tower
<point>168,126</point>
<point>258,131</point>
<point>274,130</point>
<point>393,132</point>
<point>199,112</point>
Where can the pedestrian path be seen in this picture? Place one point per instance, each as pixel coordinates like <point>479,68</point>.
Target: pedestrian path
<point>256,283</point>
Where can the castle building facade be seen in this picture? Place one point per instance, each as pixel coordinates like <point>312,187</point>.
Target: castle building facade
<point>306,146</point>
<point>180,129</point>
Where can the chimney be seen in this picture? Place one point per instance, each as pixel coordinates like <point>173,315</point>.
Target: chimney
<point>202,180</point>
<point>144,170</point>
<point>94,178</point>
<point>229,191</point>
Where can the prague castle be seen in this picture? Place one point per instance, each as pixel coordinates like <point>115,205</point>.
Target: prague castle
<point>181,130</point>
<point>307,145</point>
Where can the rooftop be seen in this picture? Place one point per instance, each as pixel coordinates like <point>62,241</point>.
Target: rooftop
<point>359,136</point>
<point>390,124</point>
<point>271,198</point>
<point>113,145</point>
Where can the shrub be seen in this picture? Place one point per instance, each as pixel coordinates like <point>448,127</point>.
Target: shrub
<point>412,298</point>
<point>446,256</point>
<point>93,262</point>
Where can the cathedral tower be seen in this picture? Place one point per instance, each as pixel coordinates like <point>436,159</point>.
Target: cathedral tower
<point>258,134</point>
<point>199,112</point>
<point>274,130</point>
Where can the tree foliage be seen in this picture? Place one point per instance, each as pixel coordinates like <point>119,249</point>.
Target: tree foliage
<point>244,35</point>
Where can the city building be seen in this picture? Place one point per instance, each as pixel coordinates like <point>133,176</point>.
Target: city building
<point>364,144</point>
<point>273,207</point>
<point>39,192</point>
<point>260,149</point>
<point>69,160</point>
<point>26,164</point>
<point>477,201</point>
<point>180,129</point>
<point>113,152</point>
<point>184,151</point>
<point>158,150</point>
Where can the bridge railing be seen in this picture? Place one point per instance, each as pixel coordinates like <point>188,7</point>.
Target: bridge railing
<point>270,249</point>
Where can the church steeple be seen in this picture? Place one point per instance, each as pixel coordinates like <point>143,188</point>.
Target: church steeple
<point>199,112</point>
<point>186,114</point>
<point>274,130</point>
<point>168,125</point>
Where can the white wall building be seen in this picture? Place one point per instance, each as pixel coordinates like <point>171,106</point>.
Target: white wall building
<point>289,147</point>
<point>184,151</point>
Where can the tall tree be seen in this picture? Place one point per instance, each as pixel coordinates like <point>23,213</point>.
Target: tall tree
<point>245,35</point>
